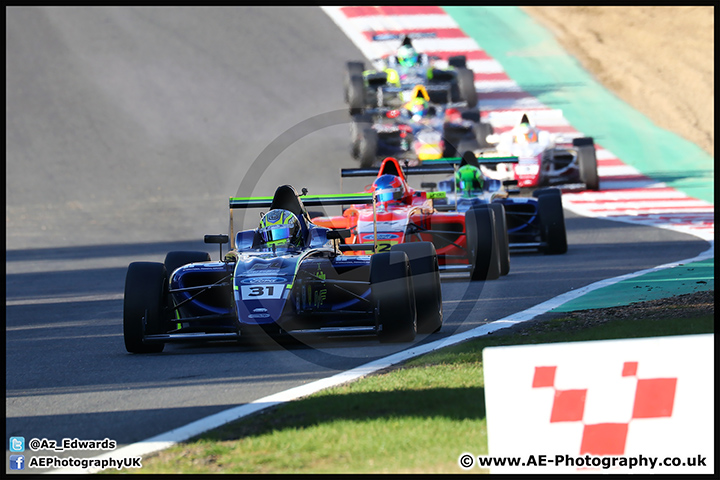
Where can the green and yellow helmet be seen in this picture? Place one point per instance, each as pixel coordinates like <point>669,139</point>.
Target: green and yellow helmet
<point>407,56</point>
<point>468,179</point>
<point>279,228</point>
<point>417,108</point>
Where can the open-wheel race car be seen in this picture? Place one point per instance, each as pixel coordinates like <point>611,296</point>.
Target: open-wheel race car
<point>545,159</point>
<point>287,277</point>
<point>536,222</point>
<point>474,241</point>
<point>416,131</point>
<point>392,80</point>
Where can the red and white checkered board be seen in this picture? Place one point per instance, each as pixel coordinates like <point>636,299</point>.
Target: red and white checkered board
<point>631,397</point>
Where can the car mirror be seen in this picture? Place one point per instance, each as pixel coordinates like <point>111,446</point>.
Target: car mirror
<point>216,239</point>
<point>338,234</point>
<point>219,239</point>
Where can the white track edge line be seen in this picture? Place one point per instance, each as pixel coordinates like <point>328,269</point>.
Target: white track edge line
<point>172,437</point>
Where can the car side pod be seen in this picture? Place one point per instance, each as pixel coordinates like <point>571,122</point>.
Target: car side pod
<point>392,292</point>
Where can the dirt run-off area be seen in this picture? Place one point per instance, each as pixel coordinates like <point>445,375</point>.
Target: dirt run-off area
<point>659,60</point>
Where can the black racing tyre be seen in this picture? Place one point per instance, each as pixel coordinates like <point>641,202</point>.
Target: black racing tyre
<point>367,148</point>
<point>452,138</point>
<point>439,75</point>
<point>582,141</point>
<point>552,223</point>
<point>376,80</point>
<point>466,83</point>
<point>458,61</point>
<point>144,305</point>
<point>587,161</point>
<point>501,240</point>
<point>502,237</point>
<point>481,245</point>
<point>482,130</point>
<point>439,97</point>
<point>353,69</point>
<point>177,259</point>
<point>356,94</point>
<point>472,115</point>
<point>426,280</point>
<point>358,124</point>
<point>391,287</point>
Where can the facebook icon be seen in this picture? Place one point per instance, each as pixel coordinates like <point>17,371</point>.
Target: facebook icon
<point>17,462</point>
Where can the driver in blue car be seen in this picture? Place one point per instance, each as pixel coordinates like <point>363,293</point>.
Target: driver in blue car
<point>407,56</point>
<point>469,181</point>
<point>280,229</point>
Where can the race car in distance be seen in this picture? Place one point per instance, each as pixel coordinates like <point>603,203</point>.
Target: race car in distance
<point>394,77</point>
<point>474,241</point>
<point>288,276</point>
<point>417,131</point>
<point>536,222</point>
<point>544,159</point>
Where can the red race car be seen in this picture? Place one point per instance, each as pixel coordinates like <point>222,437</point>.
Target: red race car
<point>475,241</point>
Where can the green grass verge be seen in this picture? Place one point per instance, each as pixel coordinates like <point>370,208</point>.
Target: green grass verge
<point>414,419</point>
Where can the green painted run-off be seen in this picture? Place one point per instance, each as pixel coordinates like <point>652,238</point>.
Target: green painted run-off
<point>530,55</point>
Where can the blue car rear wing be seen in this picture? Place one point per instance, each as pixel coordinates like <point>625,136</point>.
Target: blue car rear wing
<point>397,36</point>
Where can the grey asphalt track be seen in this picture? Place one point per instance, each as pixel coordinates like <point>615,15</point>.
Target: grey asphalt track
<point>127,131</point>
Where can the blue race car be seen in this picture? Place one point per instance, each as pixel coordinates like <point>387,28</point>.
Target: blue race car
<point>417,130</point>
<point>393,78</point>
<point>536,222</point>
<point>287,276</point>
